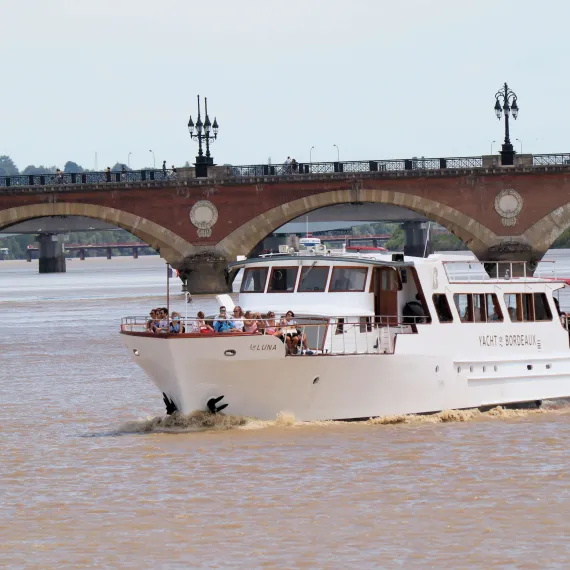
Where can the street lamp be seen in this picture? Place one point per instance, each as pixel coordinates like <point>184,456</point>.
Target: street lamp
<point>129,159</point>
<point>520,142</point>
<point>492,143</point>
<point>337,153</point>
<point>509,99</point>
<point>311,155</point>
<point>203,133</point>
<point>153,159</point>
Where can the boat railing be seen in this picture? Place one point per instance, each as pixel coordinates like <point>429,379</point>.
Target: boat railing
<point>320,335</point>
<point>476,271</point>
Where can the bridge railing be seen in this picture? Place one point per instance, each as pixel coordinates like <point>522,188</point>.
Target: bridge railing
<point>255,170</point>
<point>550,159</point>
<point>52,179</point>
<point>357,166</point>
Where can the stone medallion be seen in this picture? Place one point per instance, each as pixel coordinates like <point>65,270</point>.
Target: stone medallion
<point>508,205</point>
<point>204,215</point>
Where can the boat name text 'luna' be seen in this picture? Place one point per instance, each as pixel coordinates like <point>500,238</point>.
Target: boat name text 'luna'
<point>262,347</point>
<point>508,340</point>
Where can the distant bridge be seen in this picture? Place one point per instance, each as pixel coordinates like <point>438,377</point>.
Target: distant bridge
<point>82,248</point>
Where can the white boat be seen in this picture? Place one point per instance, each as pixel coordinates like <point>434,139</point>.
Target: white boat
<point>388,335</point>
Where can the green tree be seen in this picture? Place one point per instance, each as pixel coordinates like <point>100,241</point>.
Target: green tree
<point>72,167</point>
<point>7,166</point>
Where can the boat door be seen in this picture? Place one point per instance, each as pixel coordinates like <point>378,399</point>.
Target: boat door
<point>385,288</point>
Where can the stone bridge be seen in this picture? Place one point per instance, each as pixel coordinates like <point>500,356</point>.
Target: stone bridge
<point>198,225</point>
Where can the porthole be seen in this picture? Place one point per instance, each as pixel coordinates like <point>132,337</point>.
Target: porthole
<point>471,369</point>
<point>229,352</point>
<point>495,368</point>
<point>437,368</point>
<point>316,380</point>
<point>136,352</point>
<point>458,369</point>
<point>484,369</point>
<point>548,366</point>
<point>529,366</point>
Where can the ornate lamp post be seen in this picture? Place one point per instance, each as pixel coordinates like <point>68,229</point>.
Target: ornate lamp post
<point>509,100</point>
<point>203,133</point>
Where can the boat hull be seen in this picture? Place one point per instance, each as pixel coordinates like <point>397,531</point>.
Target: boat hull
<point>258,380</point>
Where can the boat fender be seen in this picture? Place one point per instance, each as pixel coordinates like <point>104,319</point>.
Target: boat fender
<point>212,405</point>
<point>414,310</point>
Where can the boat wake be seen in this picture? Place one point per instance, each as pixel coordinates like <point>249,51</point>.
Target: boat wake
<point>202,420</point>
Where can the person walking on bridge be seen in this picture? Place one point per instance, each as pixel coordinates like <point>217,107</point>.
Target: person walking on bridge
<point>164,174</point>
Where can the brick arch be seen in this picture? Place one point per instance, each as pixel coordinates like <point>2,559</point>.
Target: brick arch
<point>475,235</point>
<point>171,246</point>
<point>543,233</point>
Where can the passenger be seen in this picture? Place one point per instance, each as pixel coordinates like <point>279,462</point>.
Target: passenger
<point>151,323</point>
<point>163,324</point>
<point>260,323</point>
<point>176,325</point>
<point>249,323</point>
<point>271,325</point>
<point>222,324</point>
<point>237,319</point>
<point>201,326</point>
<point>293,336</point>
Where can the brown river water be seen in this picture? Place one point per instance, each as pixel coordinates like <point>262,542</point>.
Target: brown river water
<point>92,477</point>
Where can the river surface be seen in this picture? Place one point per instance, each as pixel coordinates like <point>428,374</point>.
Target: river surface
<point>86,481</point>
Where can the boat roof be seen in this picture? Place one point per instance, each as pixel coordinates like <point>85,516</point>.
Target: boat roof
<point>327,258</point>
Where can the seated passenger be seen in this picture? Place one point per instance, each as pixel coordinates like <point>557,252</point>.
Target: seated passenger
<point>201,326</point>
<point>222,324</point>
<point>176,325</point>
<point>151,323</point>
<point>237,319</point>
<point>249,323</point>
<point>293,336</point>
<point>270,324</point>
<point>260,323</point>
<point>163,324</point>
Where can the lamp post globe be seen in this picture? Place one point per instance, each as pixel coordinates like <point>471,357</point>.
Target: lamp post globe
<point>205,133</point>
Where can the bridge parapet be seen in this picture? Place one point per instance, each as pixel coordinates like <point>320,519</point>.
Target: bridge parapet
<point>236,174</point>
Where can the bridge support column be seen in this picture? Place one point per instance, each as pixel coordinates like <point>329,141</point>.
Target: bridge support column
<point>82,255</point>
<point>415,236</point>
<point>28,256</point>
<point>135,252</point>
<point>109,253</point>
<point>512,258</point>
<point>52,256</point>
<point>204,273</point>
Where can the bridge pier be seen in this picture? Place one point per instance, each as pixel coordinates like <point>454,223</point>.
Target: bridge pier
<point>204,274</point>
<point>82,255</point>
<point>135,252</point>
<point>109,252</point>
<point>415,236</point>
<point>52,255</point>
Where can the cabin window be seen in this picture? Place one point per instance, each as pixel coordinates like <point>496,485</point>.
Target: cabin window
<point>313,279</point>
<point>442,308</point>
<point>282,279</point>
<point>494,313</point>
<point>542,310</point>
<point>528,307</point>
<point>464,304</point>
<point>389,281</point>
<point>365,324</point>
<point>348,279</point>
<point>511,303</point>
<point>254,280</point>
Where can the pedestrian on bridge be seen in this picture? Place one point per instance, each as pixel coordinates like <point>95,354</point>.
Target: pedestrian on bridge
<point>164,169</point>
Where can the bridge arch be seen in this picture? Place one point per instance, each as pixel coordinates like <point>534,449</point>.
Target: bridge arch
<point>172,247</point>
<point>543,233</point>
<point>475,235</point>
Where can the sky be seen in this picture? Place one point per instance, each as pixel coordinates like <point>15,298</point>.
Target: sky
<point>105,78</point>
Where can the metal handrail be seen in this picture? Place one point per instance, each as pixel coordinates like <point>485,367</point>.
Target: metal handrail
<point>496,271</point>
<point>264,170</point>
<point>324,335</point>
